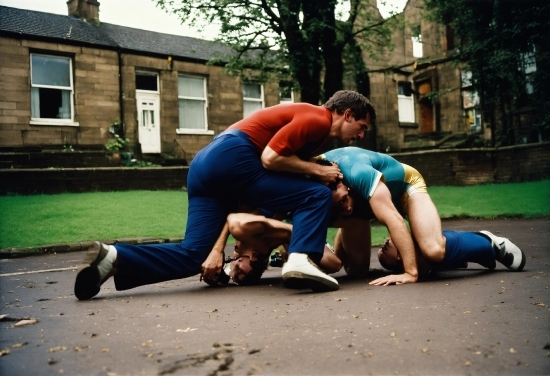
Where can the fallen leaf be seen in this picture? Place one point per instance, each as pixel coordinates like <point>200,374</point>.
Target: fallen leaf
<point>540,304</point>
<point>26,322</point>
<point>57,348</point>
<point>212,311</point>
<point>512,350</point>
<point>104,349</point>
<point>18,345</point>
<point>4,352</point>
<point>186,330</point>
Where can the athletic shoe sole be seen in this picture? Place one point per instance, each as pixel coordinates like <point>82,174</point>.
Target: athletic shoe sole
<point>301,281</point>
<point>87,281</point>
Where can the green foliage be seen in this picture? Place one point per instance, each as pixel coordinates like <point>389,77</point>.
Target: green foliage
<point>116,144</point>
<point>289,40</point>
<point>47,219</point>
<point>67,148</point>
<point>500,39</point>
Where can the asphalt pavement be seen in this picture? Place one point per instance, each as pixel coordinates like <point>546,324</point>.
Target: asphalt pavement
<point>460,322</point>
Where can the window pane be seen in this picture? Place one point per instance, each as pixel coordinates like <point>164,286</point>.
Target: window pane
<point>146,82</point>
<point>191,87</point>
<point>50,103</point>
<point>405,109</point>
<point>417,46</point>
<point>250,107</point>
<point>404,88</point>
<point>49,70</point>
<point>191,114</point>
<point>252,91</point>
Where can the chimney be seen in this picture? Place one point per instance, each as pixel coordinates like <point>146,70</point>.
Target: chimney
<point>87,10</point>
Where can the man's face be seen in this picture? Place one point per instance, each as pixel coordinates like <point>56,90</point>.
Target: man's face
<point>389,256</point>
<point>241,266</point>
<point>341,197</point>
<point>353,129</point>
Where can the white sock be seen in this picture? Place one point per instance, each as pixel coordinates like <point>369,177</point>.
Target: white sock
<point>106,265</point>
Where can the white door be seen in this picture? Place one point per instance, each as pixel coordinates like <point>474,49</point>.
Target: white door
<point>148,111</point>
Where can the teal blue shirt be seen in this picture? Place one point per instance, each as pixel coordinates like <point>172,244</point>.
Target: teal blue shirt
<point>363,169</point>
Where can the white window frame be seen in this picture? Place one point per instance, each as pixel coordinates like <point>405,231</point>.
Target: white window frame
<point>286,100</point>
<point>470,101</point>
<point>405,106</point>
<point>204,131</point>
<point>48,121</point>
<point>148,73</point>
<point>529,66</point>
<point>249,99</point>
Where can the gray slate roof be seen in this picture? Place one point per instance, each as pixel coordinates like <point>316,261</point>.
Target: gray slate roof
<point>30,24</point>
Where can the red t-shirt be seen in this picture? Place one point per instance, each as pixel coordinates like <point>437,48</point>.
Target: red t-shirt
<point>290,128</point>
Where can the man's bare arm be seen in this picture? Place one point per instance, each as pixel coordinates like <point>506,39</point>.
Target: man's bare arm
<point>213,264</point>
<point>275,162</point>
<point>385,212</point>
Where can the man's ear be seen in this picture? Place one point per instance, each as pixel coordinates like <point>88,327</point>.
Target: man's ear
<point>254,255</point>
<point>348,115</point>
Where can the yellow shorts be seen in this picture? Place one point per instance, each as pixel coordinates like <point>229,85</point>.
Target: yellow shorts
<point>416,184</point>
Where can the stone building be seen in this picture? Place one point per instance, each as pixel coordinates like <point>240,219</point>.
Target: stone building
<point>72,80</point>
<point>423,99</point>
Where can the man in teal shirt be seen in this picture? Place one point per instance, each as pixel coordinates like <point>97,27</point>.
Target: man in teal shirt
<point>388,191</point>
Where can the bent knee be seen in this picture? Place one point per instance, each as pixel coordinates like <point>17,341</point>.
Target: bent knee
<point>434,252</point>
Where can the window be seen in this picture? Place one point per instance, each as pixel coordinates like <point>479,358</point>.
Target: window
<point>147,81</point>
<point>470,103</point>
<point>51,89</point>
<point>253,98</point>
<point>416,37</point>
<point>286,95</point>
<point>192,105</point>
<point>529,67</point>
<point>405,102</point>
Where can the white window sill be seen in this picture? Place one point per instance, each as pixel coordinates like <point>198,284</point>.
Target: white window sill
<point>53,122</point>
<point>195,131</point>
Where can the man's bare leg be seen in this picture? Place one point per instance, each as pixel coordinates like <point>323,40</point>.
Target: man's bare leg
<point>352,245</point>
<point>426,226</point>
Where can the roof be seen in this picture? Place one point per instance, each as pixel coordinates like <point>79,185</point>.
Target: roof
<point>31,24</point>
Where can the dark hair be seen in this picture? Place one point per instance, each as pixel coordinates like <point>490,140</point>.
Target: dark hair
<point>325,162</point>
<point>393,268</point>
<point>358,104</point>
<point>258,268</point>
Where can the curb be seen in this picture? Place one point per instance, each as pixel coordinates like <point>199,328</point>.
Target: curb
<point>77,247</point>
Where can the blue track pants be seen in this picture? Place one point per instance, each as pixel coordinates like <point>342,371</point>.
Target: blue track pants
<point>462,247</point>
<point>222,174</point>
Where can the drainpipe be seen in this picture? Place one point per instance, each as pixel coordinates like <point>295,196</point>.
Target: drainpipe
<point>121,93</point>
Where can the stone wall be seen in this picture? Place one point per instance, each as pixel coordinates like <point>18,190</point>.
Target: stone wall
<point>96,94</point>
<point>50,181</point>
<point>460,167</point>
<point>457,167</point>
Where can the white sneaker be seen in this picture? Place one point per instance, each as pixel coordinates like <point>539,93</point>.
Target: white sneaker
<point>508,253</point>
<point>299,272</point>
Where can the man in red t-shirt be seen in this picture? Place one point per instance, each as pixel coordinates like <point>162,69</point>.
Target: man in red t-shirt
<point>261,161</point>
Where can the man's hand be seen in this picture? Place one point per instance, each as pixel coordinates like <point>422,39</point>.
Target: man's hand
<point>212,266</point>
<point>397,279</point>
<point>329,174</point>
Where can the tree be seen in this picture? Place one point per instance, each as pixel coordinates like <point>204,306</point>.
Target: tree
<point>290,40</point>
<point>505,45</point>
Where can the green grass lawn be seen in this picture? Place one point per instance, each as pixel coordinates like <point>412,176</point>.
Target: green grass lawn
<point>27,221</point>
